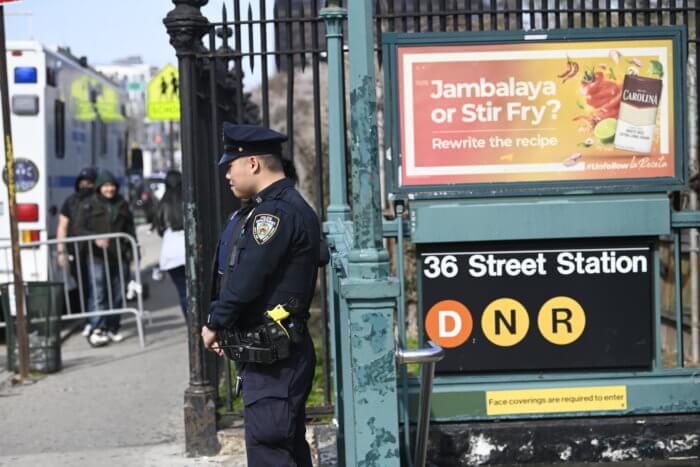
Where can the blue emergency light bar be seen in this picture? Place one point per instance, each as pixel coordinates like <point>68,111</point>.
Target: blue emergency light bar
<point>25,75</point>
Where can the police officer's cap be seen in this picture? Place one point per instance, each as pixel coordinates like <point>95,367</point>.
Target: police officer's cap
<point>250,140</point>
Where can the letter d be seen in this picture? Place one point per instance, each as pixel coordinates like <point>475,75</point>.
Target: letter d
<point>456,322</point>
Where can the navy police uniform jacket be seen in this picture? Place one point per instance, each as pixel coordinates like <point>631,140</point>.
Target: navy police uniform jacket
<point>272,255</point>
<point>272,259</point>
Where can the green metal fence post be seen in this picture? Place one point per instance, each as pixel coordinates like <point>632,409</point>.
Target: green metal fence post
<point>369,291</point>
<point>338,208</point>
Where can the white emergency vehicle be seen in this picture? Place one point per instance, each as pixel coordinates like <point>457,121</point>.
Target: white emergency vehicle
<point>65,116</point>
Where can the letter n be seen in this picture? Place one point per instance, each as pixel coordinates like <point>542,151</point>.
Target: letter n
<point>500,318</point>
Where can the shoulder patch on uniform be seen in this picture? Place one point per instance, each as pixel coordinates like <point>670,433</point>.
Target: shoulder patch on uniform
<point>264,227</point>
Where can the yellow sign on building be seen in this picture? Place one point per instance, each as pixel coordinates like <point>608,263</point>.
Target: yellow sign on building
<point>556,400</point>
<point>163,95</point>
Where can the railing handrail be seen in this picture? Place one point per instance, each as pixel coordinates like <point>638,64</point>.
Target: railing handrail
<point>433,353</point>
<point>427,356</point>
<point>56,241</point>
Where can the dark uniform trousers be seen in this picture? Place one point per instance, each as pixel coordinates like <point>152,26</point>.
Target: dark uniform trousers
<point>275,397</point>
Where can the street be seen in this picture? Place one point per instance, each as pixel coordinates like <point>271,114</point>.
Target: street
<point>117,405</point>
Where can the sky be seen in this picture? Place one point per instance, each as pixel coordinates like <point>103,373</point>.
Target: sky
<point>102,30</point>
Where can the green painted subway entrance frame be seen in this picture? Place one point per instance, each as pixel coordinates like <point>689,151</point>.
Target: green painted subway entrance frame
<point>372,395</point>
<point>362,293</point>
<point>545,211</point>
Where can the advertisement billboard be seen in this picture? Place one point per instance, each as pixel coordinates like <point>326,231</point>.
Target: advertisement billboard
<point>475,113</point>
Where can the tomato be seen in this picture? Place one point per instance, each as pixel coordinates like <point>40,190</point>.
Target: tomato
<point>603,95</point>
<point>607,91</point>
<point>610,108</point>
<point>591,87</point>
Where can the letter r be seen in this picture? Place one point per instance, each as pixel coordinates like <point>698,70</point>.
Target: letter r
<point>565,320</point>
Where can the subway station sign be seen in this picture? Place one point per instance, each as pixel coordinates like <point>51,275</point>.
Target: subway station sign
<point>514,110</point>
<point>531,306</point>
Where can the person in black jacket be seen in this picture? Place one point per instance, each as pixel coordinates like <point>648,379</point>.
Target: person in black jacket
<point>168,222</point>
<point>270,262</point>
<point>84,187</point>
<point>106,212</point>
<point>66,253</point>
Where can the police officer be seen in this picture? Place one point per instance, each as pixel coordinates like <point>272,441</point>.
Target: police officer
<point>268,259</point>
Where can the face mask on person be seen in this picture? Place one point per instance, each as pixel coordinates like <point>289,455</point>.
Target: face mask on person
<point>85,187</point>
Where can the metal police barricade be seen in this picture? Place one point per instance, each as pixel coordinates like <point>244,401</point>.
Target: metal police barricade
<point>82,253</point>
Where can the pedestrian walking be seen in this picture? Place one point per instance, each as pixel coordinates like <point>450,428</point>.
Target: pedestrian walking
<point>168,223</point>
<point>106,212</point>
<point>84,187</point>
<point>265,285</point>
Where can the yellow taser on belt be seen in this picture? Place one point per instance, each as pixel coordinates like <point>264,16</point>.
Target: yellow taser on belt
<point>279,314</point>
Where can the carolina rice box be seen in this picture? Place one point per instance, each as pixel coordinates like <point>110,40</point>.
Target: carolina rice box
<point>637,119</point>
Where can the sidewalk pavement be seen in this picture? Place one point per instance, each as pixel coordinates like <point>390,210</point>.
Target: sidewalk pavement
<point>119,405</point>
<point>111,406</point>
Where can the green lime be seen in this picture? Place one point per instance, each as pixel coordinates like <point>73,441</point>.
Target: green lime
<point>605,130</point>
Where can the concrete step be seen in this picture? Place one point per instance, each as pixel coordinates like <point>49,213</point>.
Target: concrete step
<point>321,439</point>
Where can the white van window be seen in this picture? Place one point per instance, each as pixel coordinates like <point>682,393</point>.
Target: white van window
<point>103,137</point>
<point>60,136</point>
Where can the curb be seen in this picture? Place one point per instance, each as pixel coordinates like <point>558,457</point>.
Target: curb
<point>324,445</point>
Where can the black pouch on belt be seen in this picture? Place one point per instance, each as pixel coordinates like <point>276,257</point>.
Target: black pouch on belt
<point>280,341</point>
<point>265,344</point>
<point>296,330</point>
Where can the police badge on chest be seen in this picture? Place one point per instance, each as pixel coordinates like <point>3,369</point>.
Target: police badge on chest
<point>264,227</point>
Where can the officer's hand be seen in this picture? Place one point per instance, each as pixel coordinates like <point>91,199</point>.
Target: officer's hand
<point>62,259</point>
<point>211,342</point>
<point>102,242</point>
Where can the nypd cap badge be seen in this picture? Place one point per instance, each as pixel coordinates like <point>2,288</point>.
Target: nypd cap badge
<point>264,227</point>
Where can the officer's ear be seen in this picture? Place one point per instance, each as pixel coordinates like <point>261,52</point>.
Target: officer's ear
<point>254,164</point>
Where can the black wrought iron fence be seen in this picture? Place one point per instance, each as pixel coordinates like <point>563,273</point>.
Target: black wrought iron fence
<point>262,64</point>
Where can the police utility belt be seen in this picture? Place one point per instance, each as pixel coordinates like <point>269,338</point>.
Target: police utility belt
<point>267,343</point>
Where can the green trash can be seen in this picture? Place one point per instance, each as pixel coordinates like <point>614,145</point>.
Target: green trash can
<point>44,302</point>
